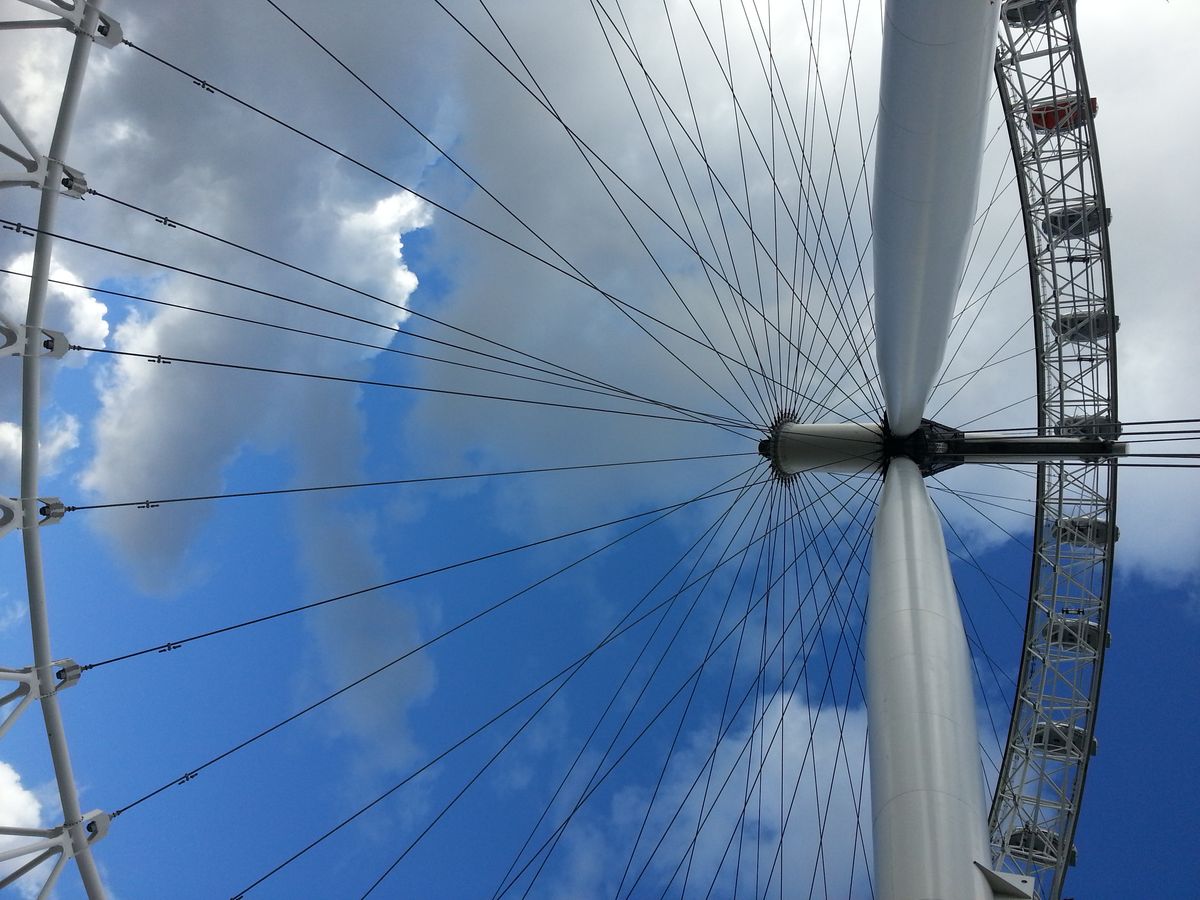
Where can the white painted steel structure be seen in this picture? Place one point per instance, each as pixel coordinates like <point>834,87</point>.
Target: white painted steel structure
<point>934,85</point>
<point>929,823</point>
<point>1035,808</point>
<point>917,659</point>
<point>843,447</point>
<point>51,176</point>
<point>931,830</point>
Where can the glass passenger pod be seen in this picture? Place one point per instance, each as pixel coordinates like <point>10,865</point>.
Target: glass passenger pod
<point>1098,426</point>
<point>1065,114</point>
<point>1083,531</point>
<point>1074,633</point>
<point>1032,13</point>
<point>1085,327</point>
<point>1062,740</point>
<point>1076,221</point>
<point>1038,845</point>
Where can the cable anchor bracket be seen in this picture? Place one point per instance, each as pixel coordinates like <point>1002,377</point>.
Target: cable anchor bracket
<point>107,31</point>
<point>30,686</point>
<point>50,511</point>
<point>43,844</point>
<point>1006,884</point>
<point>36,174</point>
<point>21,340</point>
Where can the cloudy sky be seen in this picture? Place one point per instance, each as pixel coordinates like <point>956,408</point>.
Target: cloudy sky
<point>540,259</point>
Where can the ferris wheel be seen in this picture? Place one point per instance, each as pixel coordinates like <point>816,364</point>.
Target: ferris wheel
<point>792,308</point>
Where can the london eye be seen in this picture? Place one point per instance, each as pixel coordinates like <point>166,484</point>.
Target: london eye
<point>560,450</point>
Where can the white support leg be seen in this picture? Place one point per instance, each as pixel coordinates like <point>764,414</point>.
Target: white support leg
<point>929,817</point>
<point>934,84</point>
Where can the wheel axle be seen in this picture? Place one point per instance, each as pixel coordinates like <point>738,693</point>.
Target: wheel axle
<point>852,447</point>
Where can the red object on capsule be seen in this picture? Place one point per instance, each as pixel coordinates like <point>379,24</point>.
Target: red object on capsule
<point>1065,114</point>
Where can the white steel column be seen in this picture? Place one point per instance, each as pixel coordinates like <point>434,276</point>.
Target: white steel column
<point>930,822</point>
<point>937,66</point>
<point>929,817</point>
<point>31,373</point>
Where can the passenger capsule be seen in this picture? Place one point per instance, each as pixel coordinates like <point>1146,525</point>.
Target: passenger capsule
<point>1082,531</point>
<point>1031,13</point>
<point>1061,115</point>
<point>1061,739</point>
<point>1099,426</point>
<point>1076,221</point>
<point>1037,845</point>
<point>1073,633</point>
<point>1089,327</point>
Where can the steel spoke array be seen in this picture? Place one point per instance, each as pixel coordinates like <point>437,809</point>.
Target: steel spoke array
<point>720,698</point>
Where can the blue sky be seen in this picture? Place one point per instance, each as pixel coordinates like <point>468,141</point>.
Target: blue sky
<point>123,429</point>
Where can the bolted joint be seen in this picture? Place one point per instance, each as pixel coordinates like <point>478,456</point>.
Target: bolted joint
<point>95,826</point>
<point>103,29</point>
<point>73,182</point>
<point>49,175</point>
<point>50,511</point>
<point>933,446</point>
<point>1007,884</point>
<point>67,673</point>
<point>21,340</point>
<point>108,31</point>
<point>30,685</point>
<point>39,845</point>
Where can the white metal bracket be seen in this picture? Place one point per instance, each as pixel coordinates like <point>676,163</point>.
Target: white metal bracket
<point>1007,884</point>
<point>107,31</point>
<point>12,515</point>
<point>21,340</point>
<point>44,844</point>
<point>36,170</point>
<point>31,686</point>
<point>36,174</point>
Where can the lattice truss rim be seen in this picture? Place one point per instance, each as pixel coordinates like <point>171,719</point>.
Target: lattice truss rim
<point>1041,80</point>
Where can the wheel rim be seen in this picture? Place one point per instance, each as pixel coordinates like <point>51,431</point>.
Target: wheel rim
<point>851,329</point>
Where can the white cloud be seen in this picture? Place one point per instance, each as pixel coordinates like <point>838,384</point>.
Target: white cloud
<point>11,612</point>
<point>20,808</point>
<point>373,236</point>
<point>596,848</point>
<point>35,89</point>
<point>157,431</point>
<point>187,417</point>
<point>1149,185</point>
<point>82,318</point>
<point>164,430</point>
<point>71,310</point>
<point>338,551</point>
<point>60,435</point>
<point>519,152</point>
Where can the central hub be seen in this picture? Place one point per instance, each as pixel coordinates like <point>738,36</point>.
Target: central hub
<point>933,447</point>
<point>844,448</point>
<point>854,448</point>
